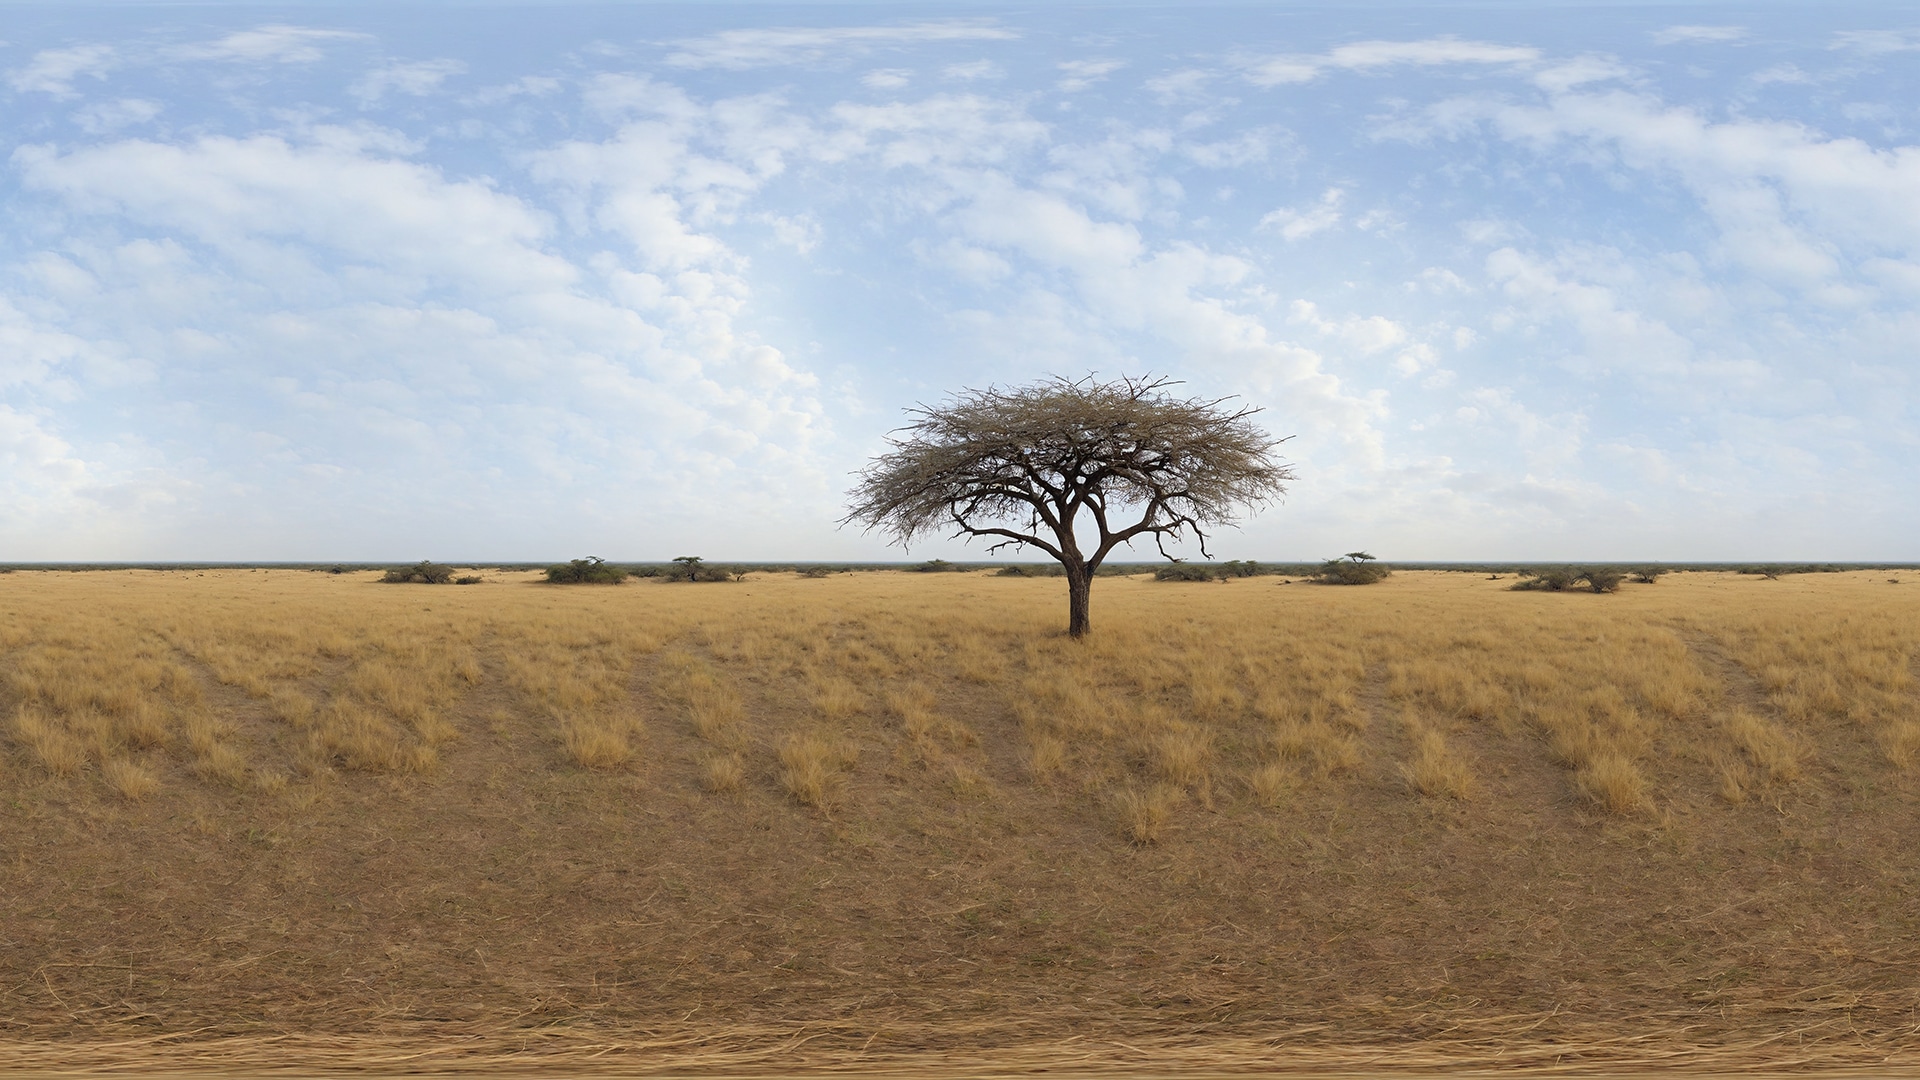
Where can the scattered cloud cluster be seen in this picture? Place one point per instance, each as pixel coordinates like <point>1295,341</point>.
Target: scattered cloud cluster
<point>317,292</point>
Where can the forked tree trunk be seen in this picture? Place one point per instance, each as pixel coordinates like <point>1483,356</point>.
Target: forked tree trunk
<point>1079,596</point>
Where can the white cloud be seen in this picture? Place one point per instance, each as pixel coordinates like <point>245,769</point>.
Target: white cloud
<point>1877,42</point>
<point>1180,85</point>
<point>377,330</point>
<point>282,44</point>
<point>330,193</point>
<point>740,49</point>
<point>1364,335</point>
<point>525,86</point>
<point>1298,223</point>
<point>418,78</point>
<point>886,79</point>
<point>1699,35</point>
<point>1791,203</point>
<point>1243,149</point>
<point>1613,334</point>
<point>973,69</point>
<point>1580,71</point>
<point>1081,74</point>
<point>1374,55</point>
<point>944,129</point>
<point>106,117</point>
<point>52,71</point>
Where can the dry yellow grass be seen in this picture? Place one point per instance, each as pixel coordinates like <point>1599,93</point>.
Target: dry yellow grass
<point>1402,809</point>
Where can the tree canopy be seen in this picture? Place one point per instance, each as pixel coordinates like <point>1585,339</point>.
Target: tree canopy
<point>1026,466</point>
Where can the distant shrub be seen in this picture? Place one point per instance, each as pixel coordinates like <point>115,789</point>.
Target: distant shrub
<point>694,568</point>
<point>336,569</point>
<point>1547,580</point>
<point>1600,579</point>
<point>646,571</point>
<point>1774,570</point>
<point>420,573</point>
<point>815,571</point>
<point>934,566</point>
<point>1236,568</point>
<point>592,570</point>
<point>1181,571</point>
<point>468,579</point>
<point>1030,571</point>
<point>1647,575</point>
<point>1603,579</point>
<point>1353,568</point>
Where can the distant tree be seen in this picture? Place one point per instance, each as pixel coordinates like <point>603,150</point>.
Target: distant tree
<point>1353,568</point>
<point>1647,575</point>
<point>1030,465</point>
<point>1603,579</point>
<point>1186,571</point>
<point>420,573</point>
<point>1556,579</point>
<point>592,570</point>
<point>694,568</point>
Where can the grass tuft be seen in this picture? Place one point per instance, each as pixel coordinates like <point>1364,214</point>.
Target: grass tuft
<point>1435,771</point>
<point>132,782</point>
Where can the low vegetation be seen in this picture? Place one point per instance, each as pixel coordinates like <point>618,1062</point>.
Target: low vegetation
<point>420,573</point>
<point>1353,568</point>
<point>889,812</point>
<point>591,570</point>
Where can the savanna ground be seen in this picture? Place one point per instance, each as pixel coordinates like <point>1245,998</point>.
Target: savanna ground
<point>258,819</point>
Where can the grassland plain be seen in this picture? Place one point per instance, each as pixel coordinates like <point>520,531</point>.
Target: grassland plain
<point>253,818</point>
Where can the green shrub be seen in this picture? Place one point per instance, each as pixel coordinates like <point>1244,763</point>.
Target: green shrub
<point>468,579</point>
<point>1555,580</point>
<point>934,566</point>
<point>1236,568</point>
<point>1647,575</point>
<point>1600,579</point>
<point>420,573</point>
<point>694,568</point>
<point>1021,570</point>
<point>1181,571</point>
<point>1603,579</point>
<point>1353,568</point>
<point>815,571</point>
<point>592,570</point>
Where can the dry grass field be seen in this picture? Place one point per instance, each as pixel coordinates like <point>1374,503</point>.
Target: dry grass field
<point>253,817</point>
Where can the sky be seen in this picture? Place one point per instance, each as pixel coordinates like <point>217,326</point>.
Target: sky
<point>498,282</point>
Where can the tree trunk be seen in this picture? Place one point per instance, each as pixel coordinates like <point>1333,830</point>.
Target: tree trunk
<point>1079,596</point>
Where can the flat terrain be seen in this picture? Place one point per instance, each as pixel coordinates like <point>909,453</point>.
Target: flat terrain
<point>264,818</point>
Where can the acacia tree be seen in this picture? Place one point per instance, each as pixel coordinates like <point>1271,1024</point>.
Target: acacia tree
<point>1029,465</point>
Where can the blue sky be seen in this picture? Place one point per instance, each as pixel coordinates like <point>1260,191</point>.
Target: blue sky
<point>498,282</point>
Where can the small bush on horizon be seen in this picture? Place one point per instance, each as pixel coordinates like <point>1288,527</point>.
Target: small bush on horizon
<point>1647,575</point>
<point>423,572</point>
<point>1353,568</point>
<point>1023,570</point>
<point>1603,579</point>
<point>815,571</point>
<point>1599,579</point>
<point>468,579</point>
<point>1559,579</point>
<point>934,566</point>
<point>592,570</point>
<point>1182,571</point>
<point>694,568</point>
